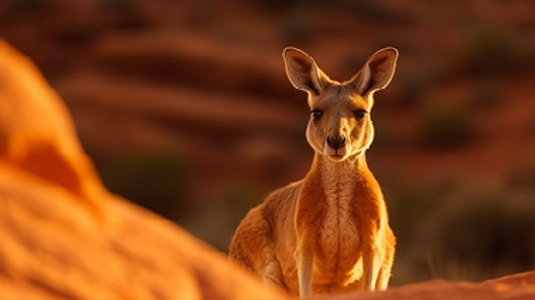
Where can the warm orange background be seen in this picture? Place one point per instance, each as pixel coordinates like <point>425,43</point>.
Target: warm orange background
<point>185,108</point>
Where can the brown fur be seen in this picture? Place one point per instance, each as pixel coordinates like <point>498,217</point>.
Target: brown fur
<point>328,232</point>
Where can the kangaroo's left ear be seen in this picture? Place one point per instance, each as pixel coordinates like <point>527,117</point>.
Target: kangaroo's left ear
<point>377,72</point>
<point>303,72</point>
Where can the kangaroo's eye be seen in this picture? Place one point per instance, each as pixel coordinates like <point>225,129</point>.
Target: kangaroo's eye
<point>316,114</point>
<point>360,114</point>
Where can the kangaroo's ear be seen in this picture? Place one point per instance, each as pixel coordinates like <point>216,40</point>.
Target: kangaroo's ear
<point>377,72</point>
<point>303,72</point>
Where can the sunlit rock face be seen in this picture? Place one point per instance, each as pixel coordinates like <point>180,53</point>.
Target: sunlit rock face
<point>64,236</point>
<point>37,133</point>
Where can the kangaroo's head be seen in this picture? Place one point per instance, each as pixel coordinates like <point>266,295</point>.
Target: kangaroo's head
<point>340,125</point>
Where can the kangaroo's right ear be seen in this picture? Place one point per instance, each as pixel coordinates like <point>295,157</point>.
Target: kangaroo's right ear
<point>303,72</point>
<point>377,72</point>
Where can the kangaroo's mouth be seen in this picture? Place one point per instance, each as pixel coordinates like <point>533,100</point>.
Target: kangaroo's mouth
<point>335,154</point>
<point>336,157</point>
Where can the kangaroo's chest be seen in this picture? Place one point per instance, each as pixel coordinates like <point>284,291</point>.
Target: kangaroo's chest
<point>338,230</point>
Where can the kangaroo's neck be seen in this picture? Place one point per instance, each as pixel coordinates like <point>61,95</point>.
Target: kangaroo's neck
<point>339,180</point>
<point>351,169</point>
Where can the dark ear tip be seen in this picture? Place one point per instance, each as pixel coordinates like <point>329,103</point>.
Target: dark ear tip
<point>291,51</point>
<point>289,48</point>
<point>389,51</point>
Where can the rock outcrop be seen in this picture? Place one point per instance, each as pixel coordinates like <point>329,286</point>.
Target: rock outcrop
<point>517,287</point>
<point>64,236</point>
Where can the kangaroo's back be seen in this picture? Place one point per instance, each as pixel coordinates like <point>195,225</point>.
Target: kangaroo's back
<point>328,232</point>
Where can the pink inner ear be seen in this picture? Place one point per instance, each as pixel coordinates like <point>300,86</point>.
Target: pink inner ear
<point>302,64</point>
<point>363,80</point>
<point>377,72</point>
<point>301,71</point>
<point>382,68</point>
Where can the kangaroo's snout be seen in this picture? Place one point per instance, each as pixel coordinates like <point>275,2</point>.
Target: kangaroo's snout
<point>336,142</point>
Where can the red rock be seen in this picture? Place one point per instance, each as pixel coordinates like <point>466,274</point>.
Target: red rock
<point>521,279</point>
<point>438,290</point>
<point>64,236</point>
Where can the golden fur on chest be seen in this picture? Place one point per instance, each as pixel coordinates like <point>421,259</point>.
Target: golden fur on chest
<point>334,223</point>
<point>334,217</point>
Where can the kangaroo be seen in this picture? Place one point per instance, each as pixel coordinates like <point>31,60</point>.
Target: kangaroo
<point>329,232</point>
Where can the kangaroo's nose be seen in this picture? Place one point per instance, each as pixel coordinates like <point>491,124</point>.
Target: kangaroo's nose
<point>336,142</point>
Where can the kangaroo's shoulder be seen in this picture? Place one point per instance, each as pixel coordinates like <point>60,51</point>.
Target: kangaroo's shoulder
<point>281,200</point>
<point>284,194</point>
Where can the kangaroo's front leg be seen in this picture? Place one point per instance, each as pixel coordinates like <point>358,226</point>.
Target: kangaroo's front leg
<point>370,266</point>
<point>385,270</point>
<point>304,271</point>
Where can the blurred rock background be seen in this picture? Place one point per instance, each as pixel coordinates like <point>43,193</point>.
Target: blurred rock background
<point>185,108</point>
